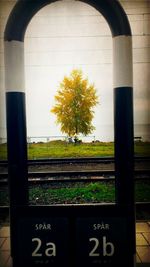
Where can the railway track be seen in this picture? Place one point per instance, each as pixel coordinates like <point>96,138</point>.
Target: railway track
<point>67,178</point>
<point>54,161</point>
<point>85,160</point>
<point>75,176</point>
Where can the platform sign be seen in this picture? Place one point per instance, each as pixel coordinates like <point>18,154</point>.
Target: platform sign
<point>42,242</point>
<point>90,235</point>
<point>102,242</point>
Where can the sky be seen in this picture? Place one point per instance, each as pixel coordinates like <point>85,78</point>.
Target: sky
<point>66,39</point>
<point>70,34</point>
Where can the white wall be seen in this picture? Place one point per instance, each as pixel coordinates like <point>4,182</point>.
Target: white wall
<point>70,34</point>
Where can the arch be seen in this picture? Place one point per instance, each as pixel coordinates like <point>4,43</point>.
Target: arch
<point>24,11</point>
<point>15,29</point>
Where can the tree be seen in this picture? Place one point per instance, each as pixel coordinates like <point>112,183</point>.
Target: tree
<point>75,101</point>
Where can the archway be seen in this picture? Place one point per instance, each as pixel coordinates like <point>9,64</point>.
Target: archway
<point>123,98</point>
<point>15,91</point>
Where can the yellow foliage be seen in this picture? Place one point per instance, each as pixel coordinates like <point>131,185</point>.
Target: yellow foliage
<point>75,101</point>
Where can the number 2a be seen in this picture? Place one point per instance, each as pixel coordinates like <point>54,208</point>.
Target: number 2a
<point>49,251</point>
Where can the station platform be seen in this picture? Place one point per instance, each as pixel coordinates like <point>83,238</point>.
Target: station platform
<point>142,244</point>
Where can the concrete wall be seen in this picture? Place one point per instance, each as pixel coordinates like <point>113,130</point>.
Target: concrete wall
<point>70,34</point>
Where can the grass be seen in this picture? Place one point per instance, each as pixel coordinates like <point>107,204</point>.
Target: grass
<point>3,151</point>
<point>142,191</point>
<point>93,192</point>
<point>61,149</point>
<point>142,149</point>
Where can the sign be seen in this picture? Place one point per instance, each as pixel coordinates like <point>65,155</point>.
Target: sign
<point>102,241</point>
<point>42,242</point>
<point>90,236</point>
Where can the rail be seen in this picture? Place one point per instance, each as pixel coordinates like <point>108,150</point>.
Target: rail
<point>84,160</point>
<point>85,176</point>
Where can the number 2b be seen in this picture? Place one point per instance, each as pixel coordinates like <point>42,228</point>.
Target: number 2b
<point>49,251</point>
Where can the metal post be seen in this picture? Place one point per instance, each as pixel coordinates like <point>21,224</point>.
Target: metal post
<point>123,128</point>
<point>16,130</point>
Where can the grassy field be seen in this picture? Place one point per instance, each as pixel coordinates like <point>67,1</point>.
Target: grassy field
<point>62,149</point>
<point>58,149</point>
